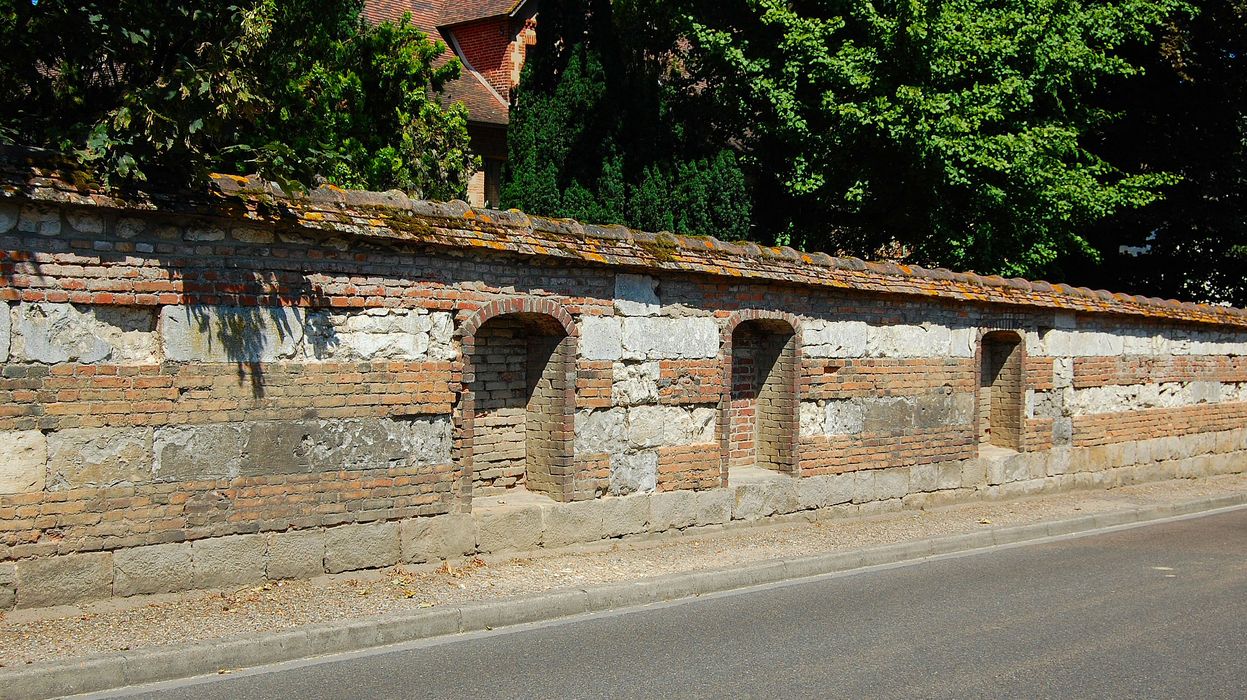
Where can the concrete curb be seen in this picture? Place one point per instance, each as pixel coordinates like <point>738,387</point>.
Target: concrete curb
<point>111,671</point>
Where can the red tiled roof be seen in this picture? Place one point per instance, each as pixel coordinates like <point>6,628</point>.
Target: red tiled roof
<point>483,103</point>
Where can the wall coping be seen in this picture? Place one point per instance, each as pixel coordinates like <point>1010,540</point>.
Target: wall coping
<point>33,177</point>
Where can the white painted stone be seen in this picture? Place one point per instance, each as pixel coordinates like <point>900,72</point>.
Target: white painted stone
<point>600,338</point>
<point>635,383</point>
<point>927,340</point>
<point>23,466</point>
<point>822,338</point>
<point>44,221</point>
<point>231,333</point>
<point>843,417</point>
<point>655,338</point>
<point>636,295</point>
<point>54,333</point>
<point>633,472</point>
<point>6,325</point>
<point>601,431</point>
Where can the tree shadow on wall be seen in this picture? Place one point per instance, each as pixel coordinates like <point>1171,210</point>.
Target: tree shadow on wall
<point>274,330</point>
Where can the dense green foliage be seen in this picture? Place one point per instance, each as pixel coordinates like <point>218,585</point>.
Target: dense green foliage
<point>598,132</point>
<point>293,90</point>
<point>1188,115</point>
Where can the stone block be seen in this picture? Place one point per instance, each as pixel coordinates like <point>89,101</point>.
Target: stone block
<point>295,554</point>
<point>99,457</point>
<point>674,510</point>
<point>892,483</point>
<point>762,499</point>
<point>8,585</point>
<point>371,443</point>
<point>195,452</point>
<point>888,414</point>
<point>23,468</point>
<point>950,474</point>
<point>657,426</point>
<point>85,220</point>
<point>843,417</point>
<point>159,568</point>
<point>974,472</point>
<point>601,338</point>
<point>41,220</point>
<point>635,383</point>
<point>927,340</point>
<point>9,215</point>
<point>277,447</point>
<point>924,477</point>
<point>225,562</point>
<point>633,472</point>
<point>833,338</point>
<point>64,580</point>
<point>824,491</point>
<point>636,295</point>
<point>509,528</point>
<point>656,338</point>
<point>439,537</point>
<point>599,432</point>
<point>54,333</point>
<point>6,328</point>
<point>864,489</point>
<point>231,333</point>
<point>597,519</point>
<point>363,546</point>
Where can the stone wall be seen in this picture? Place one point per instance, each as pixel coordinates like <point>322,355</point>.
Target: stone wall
<point>211,392</point>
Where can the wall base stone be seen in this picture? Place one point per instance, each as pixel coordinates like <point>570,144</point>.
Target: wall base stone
<point>440,537</point>
<point>295,554</point>
<point>65,580</point>
<point>161,568</point>
<point>222,562</point>
<point>370,546</point>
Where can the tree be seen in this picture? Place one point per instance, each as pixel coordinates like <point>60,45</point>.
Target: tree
<point>139,89</point>
<point>600,131</point>
<point>959,129</point>
<point>1186,114</point>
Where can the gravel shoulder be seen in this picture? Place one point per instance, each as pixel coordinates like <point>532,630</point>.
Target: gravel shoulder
<point>29,636</point>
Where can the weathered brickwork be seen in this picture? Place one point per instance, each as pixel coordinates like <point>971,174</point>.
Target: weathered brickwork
<point>213,391</point>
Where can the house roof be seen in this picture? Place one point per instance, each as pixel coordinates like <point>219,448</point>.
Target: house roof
<point>484,105</point>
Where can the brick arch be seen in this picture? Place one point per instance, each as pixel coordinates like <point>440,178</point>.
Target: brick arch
<point>788,440</point>
<point>555,323</point>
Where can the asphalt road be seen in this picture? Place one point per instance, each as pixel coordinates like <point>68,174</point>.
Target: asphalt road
<point>1151,612</point>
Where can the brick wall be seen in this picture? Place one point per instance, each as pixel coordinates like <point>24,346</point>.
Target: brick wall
<point>180,372</point>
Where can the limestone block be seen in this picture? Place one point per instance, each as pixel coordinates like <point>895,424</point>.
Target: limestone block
<point>85,220</point>
<point>439,537</point>
<point>949,476</point>
<point>821,338</point>
<point>888,414</point>
<point>159,568</point>
<point>6,328</point>
<point>962,341</point>
<point>45,221</point>
<point>927,340</point>
<point>378,334</point>
<point>824,491</point>
<point>223,562</point>
<point>64,580</point>
<point>974,473</point>
<point>370,443</point>
<point>9,215</point>
<point>204,234</point>
<point>636,295</point>
<point>99,457</point>
<point>251,234</point>
<point>924,477</point>
<point>8,576</point>
<point>231,333</point>
<point>600,431</point>
<point>892,483</point>
<point>129,227</point>
<point>635,383</point>
<point>844,417</point>
<point>633,472</point>
<point>194,452</point>
<point>761,499</point>
<point>655,338</point>
<point>601,338</point>
<point>811,418</point>
<point>25,457</point>
<point>864,490</point>
<point>597,519</point>
<point>295,554</point>
<point>54,333</point>
<point>655,426</point>
<point>1063,343</point>
<point>364,546</point>
<point>1008,469</point>
<point>673,510</point>
<point>509,528</point>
